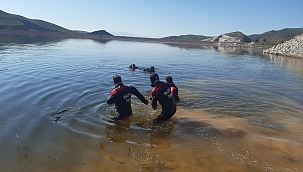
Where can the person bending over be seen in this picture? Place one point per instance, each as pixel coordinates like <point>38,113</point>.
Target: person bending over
<point>121,97</point>
<point>173,87</point>
<point>162,93</point>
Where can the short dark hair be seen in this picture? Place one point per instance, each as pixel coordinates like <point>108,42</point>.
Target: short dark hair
<point>117,78</point>
<point>169,79</point>
<point>152,69</point>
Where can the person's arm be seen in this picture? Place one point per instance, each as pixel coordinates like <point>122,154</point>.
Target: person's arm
<point>154,103</point>
<point>154,99</point>
<point>111,99</point>
<point>139,95</point>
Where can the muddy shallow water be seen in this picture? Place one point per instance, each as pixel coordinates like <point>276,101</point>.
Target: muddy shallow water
<point>239,110</point>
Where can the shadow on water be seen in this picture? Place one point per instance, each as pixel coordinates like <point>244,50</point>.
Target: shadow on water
<point>141,133</point>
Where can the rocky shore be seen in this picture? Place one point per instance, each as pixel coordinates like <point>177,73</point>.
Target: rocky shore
<point>293,47</point>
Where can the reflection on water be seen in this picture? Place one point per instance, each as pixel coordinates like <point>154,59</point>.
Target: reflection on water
<point>237,109</point>
<point>27,39</point>
<point>235,50</point>
<point>288,63</point>
<point>34,39</point>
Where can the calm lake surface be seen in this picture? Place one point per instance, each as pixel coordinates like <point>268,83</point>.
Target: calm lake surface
<point>239,110</point>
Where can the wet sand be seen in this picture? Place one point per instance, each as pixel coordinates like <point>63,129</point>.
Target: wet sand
<point>192,140</point>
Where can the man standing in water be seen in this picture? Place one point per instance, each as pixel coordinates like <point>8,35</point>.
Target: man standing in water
<point>121,97</point>
<point>163,94</point>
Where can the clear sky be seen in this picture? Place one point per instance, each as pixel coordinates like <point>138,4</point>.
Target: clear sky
<point>160,18</point>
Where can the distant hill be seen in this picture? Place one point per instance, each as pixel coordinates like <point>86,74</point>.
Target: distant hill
<point>16,22</point>
<point>186,37</point>
<point>276,35</point>
<point>242,37</point>
<point>230,38</point>
<point>271,37</point>
<point>101,32</point>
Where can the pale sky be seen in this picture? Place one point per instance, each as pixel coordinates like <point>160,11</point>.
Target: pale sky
<point>161,18</point>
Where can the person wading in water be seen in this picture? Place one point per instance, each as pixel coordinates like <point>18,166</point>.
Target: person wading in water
<point>162,93</point>
<point>121,97</point>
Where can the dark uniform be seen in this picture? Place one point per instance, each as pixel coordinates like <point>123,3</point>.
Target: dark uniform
<point>121,97</point>
<point>173,87</point>
<point>162,93</point>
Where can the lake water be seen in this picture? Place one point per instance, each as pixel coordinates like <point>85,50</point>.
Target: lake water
<point>239,110</point>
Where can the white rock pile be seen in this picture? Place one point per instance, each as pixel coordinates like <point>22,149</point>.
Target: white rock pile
<point>292,47</point>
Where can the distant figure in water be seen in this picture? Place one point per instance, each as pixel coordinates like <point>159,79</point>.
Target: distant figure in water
<point>133,67</point>
<point>121,97</point>
<point>173,87</point>
<point>163,94</point>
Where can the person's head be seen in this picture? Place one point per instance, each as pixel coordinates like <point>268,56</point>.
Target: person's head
<point>152,69</point>
<point>169,79</point>
<point>154,79</point>
<point>117,79</point>
<point>132,66</point>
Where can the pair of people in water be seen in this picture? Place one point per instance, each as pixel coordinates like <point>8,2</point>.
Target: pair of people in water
<point>163,92</point>
<point>133,67</point>
<point>169,79</point>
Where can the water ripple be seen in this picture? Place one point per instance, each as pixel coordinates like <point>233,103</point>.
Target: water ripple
<point>56,93</point>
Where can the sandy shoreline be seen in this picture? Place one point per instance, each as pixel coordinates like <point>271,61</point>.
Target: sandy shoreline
<point>193,140</point>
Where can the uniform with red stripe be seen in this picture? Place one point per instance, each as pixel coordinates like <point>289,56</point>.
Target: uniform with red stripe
<point>162,93</point>
<point>121,97</point>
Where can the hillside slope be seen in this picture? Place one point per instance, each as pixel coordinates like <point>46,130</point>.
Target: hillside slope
<point>16,22</point>
<point>276,35</point>
<point>101,32</point>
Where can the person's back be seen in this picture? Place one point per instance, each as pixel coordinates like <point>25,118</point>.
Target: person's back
<point>121,97</point>
<point>162,93</point>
